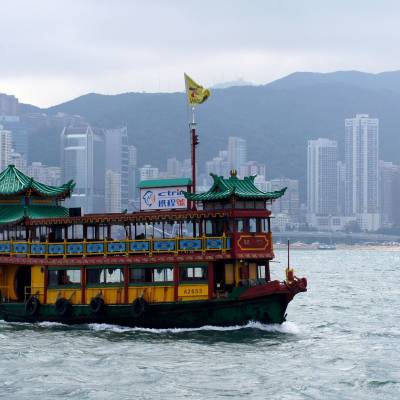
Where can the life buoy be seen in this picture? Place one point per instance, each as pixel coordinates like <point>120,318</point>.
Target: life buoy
<point>97,305</point>
<point>32,306</point>
<point>139,306</point>
<point>63,307</point>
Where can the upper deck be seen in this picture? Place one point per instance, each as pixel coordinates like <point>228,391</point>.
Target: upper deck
<point>232,222</point>
<point>140,237</point>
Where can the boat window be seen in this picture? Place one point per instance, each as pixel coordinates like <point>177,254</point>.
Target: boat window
<point>239,204</point>
<point>140,275</point>
<point>219,227</point>
<point>261,272</point>
<point>105,276</point>
<point>208,230</point>
<point>158,231</point>
<point>240,225</point>
<point>193,273</point>
<point>148,275</point>
<point>259,205</point>
<point>249,204</point>
<point>163,274</point>
<point>64,277</point>
<point>252,225</point>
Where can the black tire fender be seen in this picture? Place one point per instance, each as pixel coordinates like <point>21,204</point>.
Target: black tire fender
<point>32,306</point>
<point>97,305</point>
<point>139,306</point>
<point>63,307</point>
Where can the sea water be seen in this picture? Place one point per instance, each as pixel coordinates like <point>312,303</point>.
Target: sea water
<point>341,341</point>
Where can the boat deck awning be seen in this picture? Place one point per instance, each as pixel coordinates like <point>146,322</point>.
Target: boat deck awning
<point>11,214</point>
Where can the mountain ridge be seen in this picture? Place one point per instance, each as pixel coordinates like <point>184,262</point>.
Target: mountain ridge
<point>277,118</point>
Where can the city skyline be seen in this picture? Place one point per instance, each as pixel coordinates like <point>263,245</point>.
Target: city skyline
<point>106,169</point>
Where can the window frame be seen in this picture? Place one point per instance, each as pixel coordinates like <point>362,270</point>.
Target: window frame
<point>65,270</point>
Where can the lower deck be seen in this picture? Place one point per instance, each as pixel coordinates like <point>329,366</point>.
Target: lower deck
<point>122,284</point>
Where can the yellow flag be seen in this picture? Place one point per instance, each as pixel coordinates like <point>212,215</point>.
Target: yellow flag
<point>195,93</point>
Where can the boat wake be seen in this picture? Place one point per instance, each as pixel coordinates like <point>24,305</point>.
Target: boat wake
<point>286,327</point>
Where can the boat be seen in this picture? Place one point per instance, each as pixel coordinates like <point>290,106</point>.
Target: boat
<point>324,246</point>
<point>184,260</point>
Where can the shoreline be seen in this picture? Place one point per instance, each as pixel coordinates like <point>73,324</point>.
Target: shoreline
<point>310,247</point>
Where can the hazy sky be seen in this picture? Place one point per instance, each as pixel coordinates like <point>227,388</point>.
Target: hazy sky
<point>54,50</point>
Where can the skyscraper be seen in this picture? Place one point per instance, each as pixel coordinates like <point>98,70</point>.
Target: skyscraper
<point>133,175</point>
<point>322,177</point>
<point>361,157</point>
<point>237,152</point>
<point>112,191</point>
<point>290,203</point>
<point>83,160</point>
<point>147,172</point>
<point>117,161</point>
<point>5,147</point>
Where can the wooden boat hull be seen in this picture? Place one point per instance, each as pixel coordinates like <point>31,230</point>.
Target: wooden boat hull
<point>251,305</point>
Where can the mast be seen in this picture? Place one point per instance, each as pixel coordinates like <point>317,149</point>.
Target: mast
<point>194,141</point>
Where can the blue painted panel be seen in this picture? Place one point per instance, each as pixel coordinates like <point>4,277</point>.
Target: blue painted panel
<point>189,244</point>
<point>56,249</point>
<point>213,244</point>
<point>228,242</point>
<point>141,246</point>
<point>75,248</point>
<point>95,248</point>
<point>37,248</point>
<point>116,247</point>
<point>20,247</point>
<point>5,247</point>
<point>164,245</point>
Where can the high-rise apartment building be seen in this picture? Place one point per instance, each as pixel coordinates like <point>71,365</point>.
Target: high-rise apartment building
<point>322,177</point>
<point>112,192</point>
<point>133,173</point>
<point>5,147</point>
<point>361,157</point>
<point>388,192</point>
<point>341,187</point>
<point>290,203</point>
<point>237,152</point>
<point>45,174</point>
<point>83,160</point>
<point>117,161</point>
<point>148,172</point>
<point>250,168</point>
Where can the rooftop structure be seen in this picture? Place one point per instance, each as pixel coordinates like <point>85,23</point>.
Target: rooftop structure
<point>23,197</point>
<point>225,188</point>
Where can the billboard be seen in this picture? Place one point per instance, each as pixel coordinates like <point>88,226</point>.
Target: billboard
<point>165,198</point>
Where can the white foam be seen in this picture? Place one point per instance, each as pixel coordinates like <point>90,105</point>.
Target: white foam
<point>286,327</point>
<point>48,324</point>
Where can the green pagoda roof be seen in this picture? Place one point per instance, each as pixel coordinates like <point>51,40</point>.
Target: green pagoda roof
<point>155,183</point>
<point>10,214</point>
<point>13,182</point>
<point>223,188</point>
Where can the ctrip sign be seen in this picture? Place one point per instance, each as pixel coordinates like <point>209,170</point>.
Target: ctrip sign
<point>165,198</point>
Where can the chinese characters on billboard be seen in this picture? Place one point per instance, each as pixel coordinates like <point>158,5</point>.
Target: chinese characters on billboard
<point>162,198</point>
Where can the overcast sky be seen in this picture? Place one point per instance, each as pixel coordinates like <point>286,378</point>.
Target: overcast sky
<point>55,50</point>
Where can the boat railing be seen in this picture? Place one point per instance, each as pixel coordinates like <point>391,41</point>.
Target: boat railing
<point>127,247</point>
